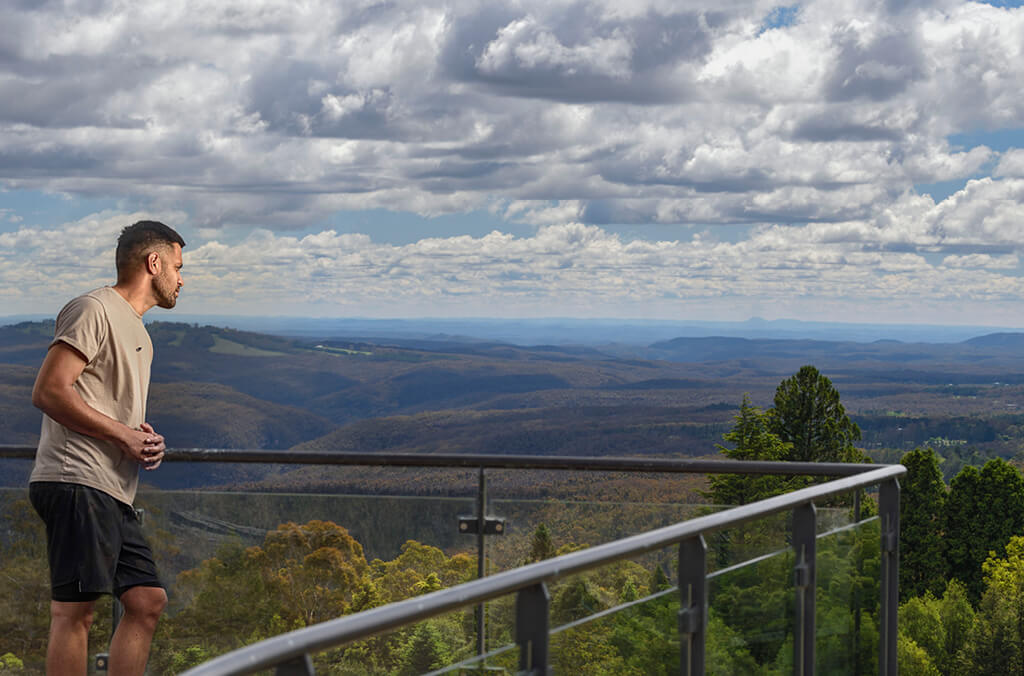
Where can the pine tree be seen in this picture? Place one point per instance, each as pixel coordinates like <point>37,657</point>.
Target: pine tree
<point>750,439</point>
<point>807,414</point>
<point>541,546</point>
<point>922,504</point>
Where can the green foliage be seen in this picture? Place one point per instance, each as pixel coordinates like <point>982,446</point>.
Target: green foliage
<point>808,416</point>
<point>921,624</point>
<point>428,648</point>
<point>24,585</point>
<point>304,574</point>
<point>922,507</point>
<point>750,439</point>
<point>983,510</point>
<point>541,546</point>
<point>995,644</point>
<point>659,580</point>
<point>645,637</point>
<point>573,601</point>
<point>756,601</point>
<point>913,659</point>
<point>10,662</point>
<point>726,653</point>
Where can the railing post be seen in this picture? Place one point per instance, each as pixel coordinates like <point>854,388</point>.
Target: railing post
<point>889,516</point>
<point>532,605</point>
<point>693,613</point>
<point>804,577</point>
<point>297,666</point>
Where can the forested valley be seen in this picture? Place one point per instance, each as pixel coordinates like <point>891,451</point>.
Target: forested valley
<point>311,545</point>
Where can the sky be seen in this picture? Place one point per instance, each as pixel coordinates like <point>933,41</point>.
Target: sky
<point>832,160</point>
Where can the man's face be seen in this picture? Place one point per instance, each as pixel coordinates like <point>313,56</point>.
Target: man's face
<point>167,283</point>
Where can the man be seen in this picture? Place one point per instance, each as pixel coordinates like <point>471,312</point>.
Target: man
<point>92,389</point>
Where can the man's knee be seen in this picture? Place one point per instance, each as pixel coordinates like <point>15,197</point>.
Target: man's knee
<point>72,615</point>
<point>147,602</point>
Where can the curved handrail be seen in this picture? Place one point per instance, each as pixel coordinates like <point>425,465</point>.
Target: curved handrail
<point>285,647</point>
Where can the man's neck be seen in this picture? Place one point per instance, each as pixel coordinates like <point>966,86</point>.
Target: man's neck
<point>136,294</point>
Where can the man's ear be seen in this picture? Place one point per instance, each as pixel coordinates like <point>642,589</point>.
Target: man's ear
<point>153,262</point>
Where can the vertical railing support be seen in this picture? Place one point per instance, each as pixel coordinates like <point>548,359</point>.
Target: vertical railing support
<point>889,516</point>
<point>693,613</point>
<point>532,605</point>
<point>297,666</point>
<point>804,578</point>
<point>481,558</point>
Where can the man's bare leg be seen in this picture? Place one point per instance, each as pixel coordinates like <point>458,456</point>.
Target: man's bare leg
<point>68,649</point>
<point>129,649</point>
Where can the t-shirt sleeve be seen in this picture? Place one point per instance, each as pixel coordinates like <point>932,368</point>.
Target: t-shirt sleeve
<point>82,325</point>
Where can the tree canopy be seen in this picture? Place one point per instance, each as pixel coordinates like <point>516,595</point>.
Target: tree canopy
<point>749,439</point>
<point>983,510</point>
<point>922,508</point>
<point>808,416</point>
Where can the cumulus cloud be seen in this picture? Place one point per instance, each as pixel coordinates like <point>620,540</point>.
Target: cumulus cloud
<point>809,129</point>
<point>1011,164</point>
<point>277,115</point>
<point>569,269</point>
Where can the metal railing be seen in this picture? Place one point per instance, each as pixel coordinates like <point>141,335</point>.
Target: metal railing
<point>291,653</point>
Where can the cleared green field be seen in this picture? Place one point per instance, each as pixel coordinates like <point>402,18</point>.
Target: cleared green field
<point>341,350</point>
<point>224,346</point>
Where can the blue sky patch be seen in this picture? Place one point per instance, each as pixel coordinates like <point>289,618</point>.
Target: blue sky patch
<point>780,17</point>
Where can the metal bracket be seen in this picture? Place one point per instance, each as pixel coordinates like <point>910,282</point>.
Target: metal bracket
<point>691,620</point>
<point>801,575</point>
<point>493,525</point>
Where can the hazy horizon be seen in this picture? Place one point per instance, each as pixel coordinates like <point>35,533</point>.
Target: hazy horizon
<point>600,330</point>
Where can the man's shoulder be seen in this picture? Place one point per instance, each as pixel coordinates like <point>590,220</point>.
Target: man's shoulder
<point>95,299</point>
<point>88,303</point>
<point>105,295</point>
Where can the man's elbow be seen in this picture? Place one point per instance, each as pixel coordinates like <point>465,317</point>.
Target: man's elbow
<point>42,399</point>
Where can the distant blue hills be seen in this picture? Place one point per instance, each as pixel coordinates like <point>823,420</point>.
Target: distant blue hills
<point>569,331</point>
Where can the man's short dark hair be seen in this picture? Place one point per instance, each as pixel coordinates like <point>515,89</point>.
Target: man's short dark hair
<point>139,237</point>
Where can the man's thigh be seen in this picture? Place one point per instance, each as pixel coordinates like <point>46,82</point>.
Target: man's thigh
<point>135,564</point>
<point>87,531</point>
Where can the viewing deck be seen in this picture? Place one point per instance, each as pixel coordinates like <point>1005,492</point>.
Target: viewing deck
<point>478,567</point>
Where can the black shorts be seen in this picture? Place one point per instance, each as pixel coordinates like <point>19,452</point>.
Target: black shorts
<point>94,542</point>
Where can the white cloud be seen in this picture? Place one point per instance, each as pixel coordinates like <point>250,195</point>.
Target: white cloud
<point>274,116</point>
<point>1011,164</point>
<point>525,45</point>
<point>1009,262</point>
<point>568,269</point>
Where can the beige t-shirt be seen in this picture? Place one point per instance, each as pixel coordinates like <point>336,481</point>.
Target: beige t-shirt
<point>111,336</point>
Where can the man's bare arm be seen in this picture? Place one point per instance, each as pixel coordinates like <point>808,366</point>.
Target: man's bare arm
<point>55,395</point>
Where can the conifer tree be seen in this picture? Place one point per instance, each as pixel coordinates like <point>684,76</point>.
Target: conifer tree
<point>807,414</point>
<point>541,546</point>
<point>750,439</point>
<point>922,505</point>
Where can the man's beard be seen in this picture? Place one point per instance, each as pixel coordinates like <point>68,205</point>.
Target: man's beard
<point>165,297</point>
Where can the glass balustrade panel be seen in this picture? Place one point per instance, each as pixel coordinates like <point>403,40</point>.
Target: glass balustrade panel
<point>848,568</point>
<point>750,614</point>
<point>620,618</point>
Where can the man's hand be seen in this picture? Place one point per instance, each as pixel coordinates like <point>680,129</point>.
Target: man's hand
<point>153,450</point>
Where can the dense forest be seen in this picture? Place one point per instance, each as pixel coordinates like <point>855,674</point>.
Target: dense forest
<point>308,544</point>
<point>218,388</point>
